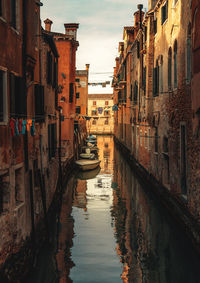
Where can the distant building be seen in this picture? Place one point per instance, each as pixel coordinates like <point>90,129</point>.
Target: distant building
<point>81,109</point>
<point>100,111</point>
<point>67,45</point>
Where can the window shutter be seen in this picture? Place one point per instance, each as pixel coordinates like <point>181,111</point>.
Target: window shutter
<point>154,80</point>
<point>71,92</point>
<point>12,95</point>
<point>157,88</point>
<point>39,103</point>
<point>1,96</point>
<point>1,10</point>
<point>13,13</point>
<point>189,59</point>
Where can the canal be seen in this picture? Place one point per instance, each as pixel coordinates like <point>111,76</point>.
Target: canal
<point>112,229</point>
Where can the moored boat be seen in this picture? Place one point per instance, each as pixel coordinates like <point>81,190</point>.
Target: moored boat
<point>87,155</point>
<point>86,175</point>
<point>86,164</point>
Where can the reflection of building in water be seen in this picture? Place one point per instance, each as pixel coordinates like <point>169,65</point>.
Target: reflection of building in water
<point>146,242</point>
<point>80,199</point>
<point>66,233</point>
<point>106,147</point>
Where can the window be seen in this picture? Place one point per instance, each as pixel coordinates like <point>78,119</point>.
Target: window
<point>13,14</point>
<point>164,12</point>
<point>94,122</point>
<point>18,99</point>
<point>52,140</point>
<point>161,73</point>
<point>135,91</point>
<point>3,97</point>
<point>49,68</point>
<point>175,64</point>
<point>144,80</point>
<point>131,96</point>
<point>141,138</point>
<point>78,109</point>
<point>189,50</point>
<point>106,102</point>
<point>106,122</point>
<point>71,92</point>
<point>94,103</point>
<point>2,8</point>
<point>94,112</point>
<point>155,26</point>
<point>77,80</point>
<point>170,68</point>
<point>165,144</point>
<point>156,80</point>
<point>149,139</point>
<point>39,103</point>
<point>145,141</point>
<point>156,139</point>
<point>138,49</point>
<point>77,95</point>
<point>106,112</point>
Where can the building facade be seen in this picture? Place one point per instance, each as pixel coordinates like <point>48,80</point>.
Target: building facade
<point>101,113</point>
<point>156,89</point>
<point>82,101</point>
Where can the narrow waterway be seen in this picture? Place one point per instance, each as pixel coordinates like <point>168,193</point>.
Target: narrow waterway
<point>111,229</point>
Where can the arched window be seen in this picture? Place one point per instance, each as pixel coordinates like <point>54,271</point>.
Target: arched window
<point>189,50</point>
<point>135,92</point>
<point>156,80</point>
<point>170,68</point>
<point>161,73</point>
<point>175,64</point>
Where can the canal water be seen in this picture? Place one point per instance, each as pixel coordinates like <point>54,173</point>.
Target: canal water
<point>111,229</point>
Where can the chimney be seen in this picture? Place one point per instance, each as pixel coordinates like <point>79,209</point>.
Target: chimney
<point>71,30</point>
<point>87,66</point>
<point>139,15</point>
<point>48,24</point>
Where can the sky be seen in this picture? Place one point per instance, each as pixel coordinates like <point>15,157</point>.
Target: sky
<point>100,30</point>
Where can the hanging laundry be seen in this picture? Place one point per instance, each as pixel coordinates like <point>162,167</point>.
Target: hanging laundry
<point>16,127</point>
<point>20,125</point>
<point>23,130</point>
<point>12,127</point>
<point>33,128</point>
<point>115,108</point>
<point>100,110</point>
<point>28,125</point>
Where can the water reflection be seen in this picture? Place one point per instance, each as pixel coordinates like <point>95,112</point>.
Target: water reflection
<point>111,229</point>
<point>151,246</point>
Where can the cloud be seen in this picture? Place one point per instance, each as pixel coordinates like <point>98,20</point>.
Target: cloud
<point>101,28</point>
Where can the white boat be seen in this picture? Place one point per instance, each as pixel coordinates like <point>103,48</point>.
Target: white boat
<point>85,164</point>
<point>87,155</point>
<point>93,149</point>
